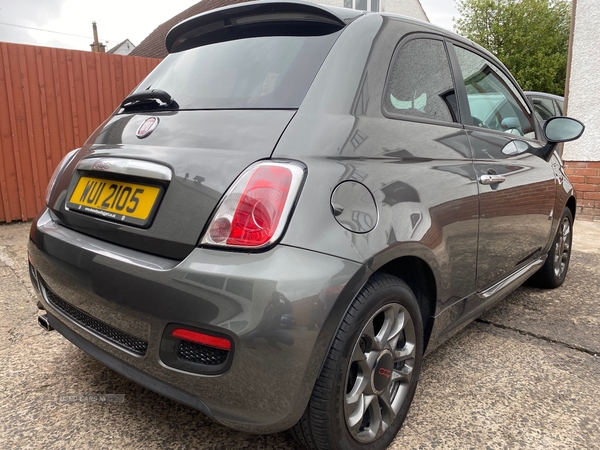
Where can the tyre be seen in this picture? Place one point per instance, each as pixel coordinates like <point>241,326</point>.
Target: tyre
<point>552,274</point>
<point>370,374</point>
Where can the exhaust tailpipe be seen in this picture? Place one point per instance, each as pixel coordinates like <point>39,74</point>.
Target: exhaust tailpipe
<point>43,322</point>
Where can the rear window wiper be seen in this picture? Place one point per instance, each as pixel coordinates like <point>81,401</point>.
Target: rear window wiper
<point>149,100</point>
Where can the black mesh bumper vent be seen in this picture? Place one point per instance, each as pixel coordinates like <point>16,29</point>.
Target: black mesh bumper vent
<point>201,354</point>
<point>124,340</point>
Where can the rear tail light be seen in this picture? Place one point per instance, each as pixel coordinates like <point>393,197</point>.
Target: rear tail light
<point>255,209</point>
<point>57,172</point>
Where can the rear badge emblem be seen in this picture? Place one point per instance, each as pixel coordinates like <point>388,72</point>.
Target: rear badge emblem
<point>101,165</point>
<point>147,127</point>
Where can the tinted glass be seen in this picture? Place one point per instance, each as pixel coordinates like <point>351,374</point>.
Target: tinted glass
<point>420,83</point>
<point>264,72</point>
<point>494,101</point>
<point>543,107</point>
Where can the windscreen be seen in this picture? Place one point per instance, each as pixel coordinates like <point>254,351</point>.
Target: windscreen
<point>272,72</point>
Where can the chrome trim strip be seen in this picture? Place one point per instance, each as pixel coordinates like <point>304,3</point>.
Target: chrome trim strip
<point>516,278</point>
<point>124,166</point>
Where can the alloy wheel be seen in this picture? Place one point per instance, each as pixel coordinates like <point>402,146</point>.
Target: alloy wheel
<point>562,249</point>
<point>379,372</point>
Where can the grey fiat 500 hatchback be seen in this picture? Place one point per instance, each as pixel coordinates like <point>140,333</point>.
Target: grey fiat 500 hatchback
<point>293,207</point>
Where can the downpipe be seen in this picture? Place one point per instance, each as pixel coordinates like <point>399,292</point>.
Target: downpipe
<point>43,322</point>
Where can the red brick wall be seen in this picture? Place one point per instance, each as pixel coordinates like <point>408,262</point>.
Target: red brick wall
<point>585,176</point>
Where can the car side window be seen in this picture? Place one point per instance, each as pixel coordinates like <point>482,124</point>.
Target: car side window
<point>560,106</point>
<point>494,101</point>
<point>420,83</point>
<point>544,108</point>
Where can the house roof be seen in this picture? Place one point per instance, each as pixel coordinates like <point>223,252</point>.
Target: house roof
<point>154,44</point>
<point>122,47</point>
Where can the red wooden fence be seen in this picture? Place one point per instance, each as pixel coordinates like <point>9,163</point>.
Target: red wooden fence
<point>51,100</point>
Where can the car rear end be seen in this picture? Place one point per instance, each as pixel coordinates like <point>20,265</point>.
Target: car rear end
<point>158,252</point>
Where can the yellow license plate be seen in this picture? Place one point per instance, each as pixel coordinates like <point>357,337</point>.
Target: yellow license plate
<point>115,200</point>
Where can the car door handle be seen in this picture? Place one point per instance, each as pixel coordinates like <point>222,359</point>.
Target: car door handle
<point>491,179</point>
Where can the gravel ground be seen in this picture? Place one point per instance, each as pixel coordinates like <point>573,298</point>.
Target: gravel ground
<point>524,375</point>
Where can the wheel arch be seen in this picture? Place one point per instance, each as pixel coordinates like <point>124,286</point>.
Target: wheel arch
<point>419,276</point>
<point>572,205</point>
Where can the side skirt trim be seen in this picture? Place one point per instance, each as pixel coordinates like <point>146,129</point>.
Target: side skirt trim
<point>458,315</point>
<point>510,283</point>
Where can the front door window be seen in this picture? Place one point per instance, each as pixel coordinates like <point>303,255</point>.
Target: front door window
<point>494,102</point>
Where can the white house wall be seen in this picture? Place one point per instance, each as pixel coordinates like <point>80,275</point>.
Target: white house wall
<point>582,157</point>
<point>584,85</point>
<point>411,8</point>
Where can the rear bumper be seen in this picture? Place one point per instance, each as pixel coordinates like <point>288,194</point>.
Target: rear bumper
<point>279,309</point>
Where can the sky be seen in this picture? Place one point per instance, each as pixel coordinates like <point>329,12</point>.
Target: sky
<point>68,23</point>
<point>440,12</point>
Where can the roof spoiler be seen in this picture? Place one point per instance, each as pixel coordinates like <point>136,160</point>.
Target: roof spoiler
<point>255,19</point>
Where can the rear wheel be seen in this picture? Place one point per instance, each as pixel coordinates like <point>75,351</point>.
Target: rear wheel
<point>370,375</point>
<point>552,274</point>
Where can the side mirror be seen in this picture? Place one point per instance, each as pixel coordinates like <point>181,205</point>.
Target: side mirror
<point>563,129</point>
<point>560,129</point>
<point>514,148</point>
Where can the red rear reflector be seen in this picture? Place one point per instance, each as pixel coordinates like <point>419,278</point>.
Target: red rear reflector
<point>201,338</point>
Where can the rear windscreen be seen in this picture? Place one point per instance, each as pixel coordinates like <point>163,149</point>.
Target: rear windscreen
<point>271,72</point>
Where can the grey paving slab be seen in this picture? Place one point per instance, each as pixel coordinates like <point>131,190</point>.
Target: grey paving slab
<point>524,376</point>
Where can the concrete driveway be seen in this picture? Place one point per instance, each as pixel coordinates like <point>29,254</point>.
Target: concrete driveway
<point>525,375</point>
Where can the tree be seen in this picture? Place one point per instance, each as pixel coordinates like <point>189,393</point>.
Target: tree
<point>531,37</point>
